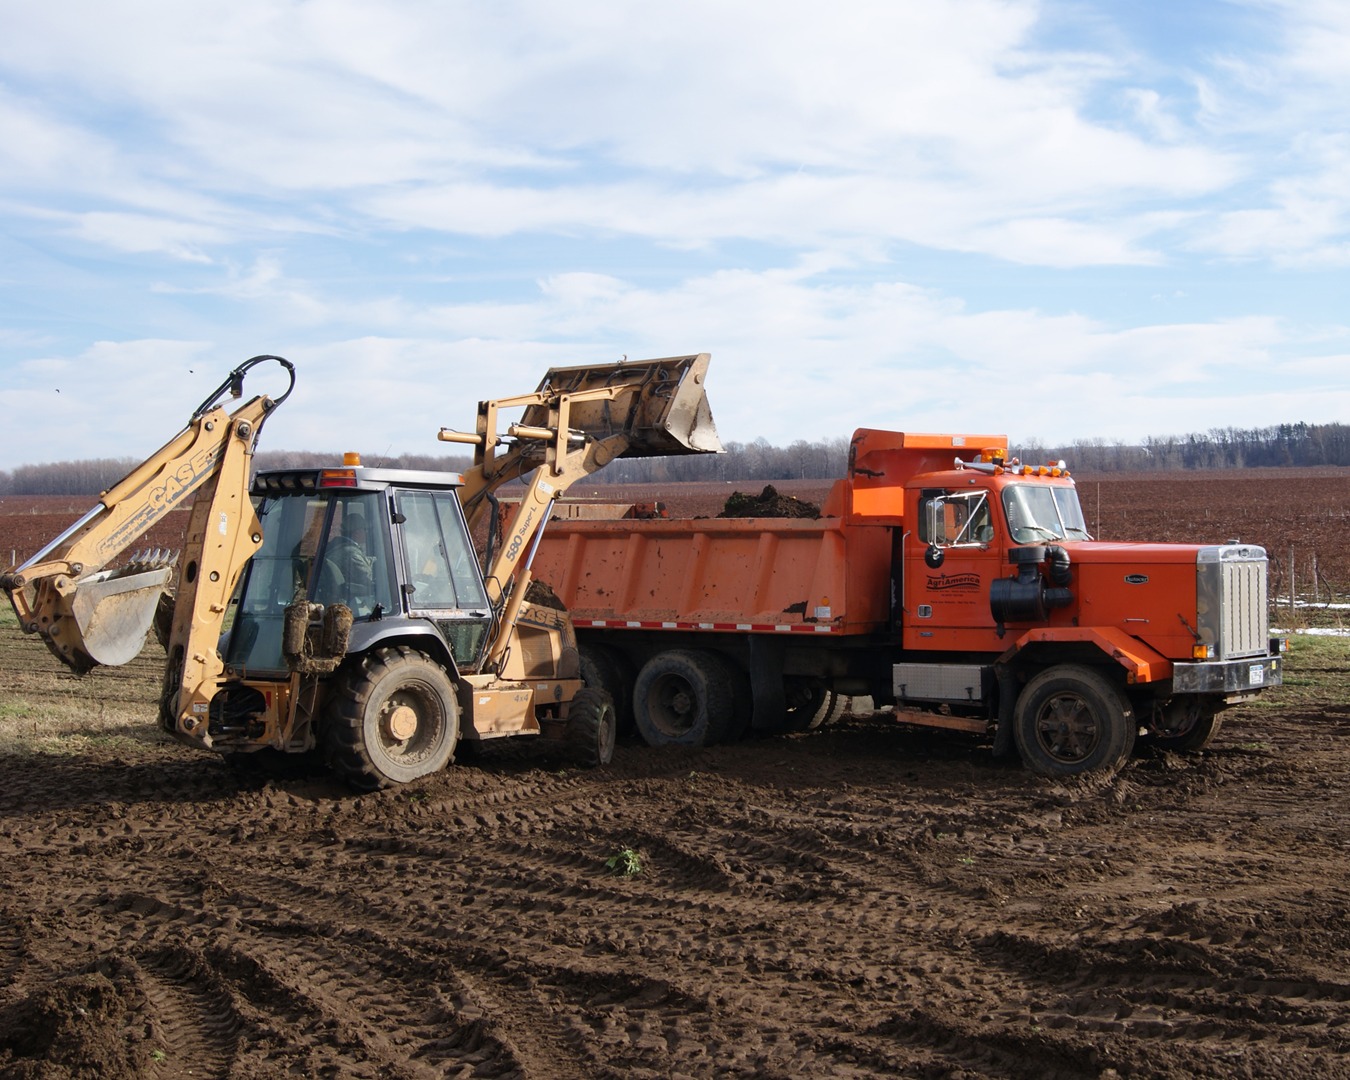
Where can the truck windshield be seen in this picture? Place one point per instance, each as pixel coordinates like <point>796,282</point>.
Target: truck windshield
<point>1040,512</point>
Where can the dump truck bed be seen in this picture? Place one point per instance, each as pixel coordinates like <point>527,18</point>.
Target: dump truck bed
<point>763,575</point>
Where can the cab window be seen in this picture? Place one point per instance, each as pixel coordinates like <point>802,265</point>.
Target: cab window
<point>955,518</point>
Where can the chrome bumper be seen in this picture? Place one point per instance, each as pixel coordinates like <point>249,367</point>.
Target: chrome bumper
<point>1227,676</point>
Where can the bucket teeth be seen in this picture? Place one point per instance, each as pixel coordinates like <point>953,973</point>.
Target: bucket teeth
<point>150,559</point>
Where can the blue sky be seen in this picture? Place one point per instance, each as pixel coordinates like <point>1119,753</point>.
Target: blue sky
<point>1056,220</point>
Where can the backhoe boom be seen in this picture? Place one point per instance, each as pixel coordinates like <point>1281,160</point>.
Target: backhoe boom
<point>88,615</point>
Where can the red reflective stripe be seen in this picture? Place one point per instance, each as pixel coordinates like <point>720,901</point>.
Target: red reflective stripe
<point>644,624</point>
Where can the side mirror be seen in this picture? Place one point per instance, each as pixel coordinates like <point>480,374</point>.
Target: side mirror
<point>933,556</point>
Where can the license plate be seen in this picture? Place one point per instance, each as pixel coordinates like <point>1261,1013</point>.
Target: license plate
<point>1256,675</point>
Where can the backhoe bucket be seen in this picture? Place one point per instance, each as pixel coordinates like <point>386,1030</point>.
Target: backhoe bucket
<point>107,618</point>
<point>660,404</point>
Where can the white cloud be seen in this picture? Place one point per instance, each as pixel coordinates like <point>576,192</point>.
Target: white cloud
<point>911,215</point>
<point>900,115</point>
<point>793,358</point>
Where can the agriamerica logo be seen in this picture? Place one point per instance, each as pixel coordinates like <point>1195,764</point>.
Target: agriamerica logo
<point>953,581</point>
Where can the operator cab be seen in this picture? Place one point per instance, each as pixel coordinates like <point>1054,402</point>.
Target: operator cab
<point>390,544</point>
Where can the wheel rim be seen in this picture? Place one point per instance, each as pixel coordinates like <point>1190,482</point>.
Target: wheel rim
<point>1067,728</point>
<point>672,705</point>
<point>410,724</point>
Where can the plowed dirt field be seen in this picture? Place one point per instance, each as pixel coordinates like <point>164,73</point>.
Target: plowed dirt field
<point>856,901</point>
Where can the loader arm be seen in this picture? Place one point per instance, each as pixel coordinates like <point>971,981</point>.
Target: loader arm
<point>88,615</point>
<point>578,421</point>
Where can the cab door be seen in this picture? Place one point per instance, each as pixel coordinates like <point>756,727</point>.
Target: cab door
<point>950,561</point>
<point>443,582</point>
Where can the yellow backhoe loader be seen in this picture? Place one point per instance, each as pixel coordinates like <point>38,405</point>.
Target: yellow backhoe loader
<point>343,612</point>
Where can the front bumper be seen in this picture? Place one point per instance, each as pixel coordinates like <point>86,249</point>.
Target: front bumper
<point>1244,676</point>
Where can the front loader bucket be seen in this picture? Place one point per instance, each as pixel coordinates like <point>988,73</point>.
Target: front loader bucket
<point>106,619</point>
<point>660,404</point>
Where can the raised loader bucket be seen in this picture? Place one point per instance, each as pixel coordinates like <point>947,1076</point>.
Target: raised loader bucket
<point>106,619</point>
<point>660,404</point>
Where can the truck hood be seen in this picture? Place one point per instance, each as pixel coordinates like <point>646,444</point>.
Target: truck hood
<point>1151,591</point>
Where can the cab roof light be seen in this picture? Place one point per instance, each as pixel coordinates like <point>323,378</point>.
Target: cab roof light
<point>337,478</point>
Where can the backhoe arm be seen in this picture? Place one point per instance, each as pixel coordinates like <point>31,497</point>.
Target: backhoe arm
<point>90,616</point>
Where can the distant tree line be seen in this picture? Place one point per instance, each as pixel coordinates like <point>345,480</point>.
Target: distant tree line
<point>1283,445</point>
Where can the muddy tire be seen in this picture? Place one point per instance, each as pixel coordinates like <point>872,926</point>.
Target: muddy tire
<point>603,668</point>
<point>1186,726</point>
<point>830,709</point>
<point>393,717</point>
<point>811,705</point>
<point>1072,720</point>
<point>683,698</point>
<point>592,726</point>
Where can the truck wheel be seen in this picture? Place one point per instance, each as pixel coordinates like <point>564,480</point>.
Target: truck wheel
<point>682,698</point>
<point>1186,725</point>
<point>831,709</point>
<point>606,669</point>
<point>1071,720</point>
<point>393,717</point>
<point>591,727</point>
<point>811,705</point>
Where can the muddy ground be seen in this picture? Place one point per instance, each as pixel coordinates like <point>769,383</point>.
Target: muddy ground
<point>860,901</point>
<point>855,901</point>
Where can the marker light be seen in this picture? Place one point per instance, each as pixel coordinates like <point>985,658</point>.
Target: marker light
<point>337,478</point>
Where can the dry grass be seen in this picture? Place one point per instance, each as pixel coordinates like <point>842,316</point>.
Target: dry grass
<point>45,709</point>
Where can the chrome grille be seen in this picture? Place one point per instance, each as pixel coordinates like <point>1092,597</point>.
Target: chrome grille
<point>1231,596</point>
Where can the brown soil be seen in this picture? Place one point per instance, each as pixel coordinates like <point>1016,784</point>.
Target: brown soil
<point>768,504</point>
<point>857,901</point>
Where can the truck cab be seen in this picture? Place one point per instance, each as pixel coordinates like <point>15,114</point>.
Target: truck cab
<point>1001,563</point>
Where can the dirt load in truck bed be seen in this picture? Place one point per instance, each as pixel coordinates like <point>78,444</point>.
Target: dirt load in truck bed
<point>854,901</point>
<point>768,504</point>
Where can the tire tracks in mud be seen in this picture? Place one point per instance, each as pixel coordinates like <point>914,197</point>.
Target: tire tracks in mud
<point>825,905</point>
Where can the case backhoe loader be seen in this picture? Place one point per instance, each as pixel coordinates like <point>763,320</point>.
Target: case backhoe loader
<point>362,626</point>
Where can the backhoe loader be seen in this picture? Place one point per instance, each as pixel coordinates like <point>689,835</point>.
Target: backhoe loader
<point>343,613</point>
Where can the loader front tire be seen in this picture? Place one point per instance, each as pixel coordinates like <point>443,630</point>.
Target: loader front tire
<point>683,697</point>
<point>393,717</point>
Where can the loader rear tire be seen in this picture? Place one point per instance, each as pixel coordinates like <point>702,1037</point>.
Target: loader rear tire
<point>1071,720</point>
<point>603,668</point>
<point>591,728</point>
<point>683,698</point>
<point>393,717</point>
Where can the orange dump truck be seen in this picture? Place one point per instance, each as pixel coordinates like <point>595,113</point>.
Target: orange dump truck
<point>966,593</point>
